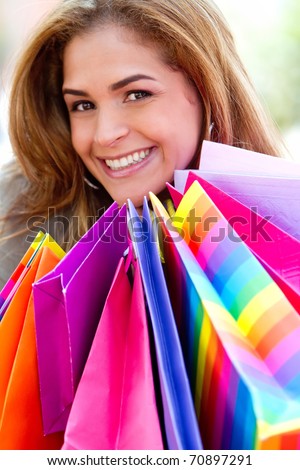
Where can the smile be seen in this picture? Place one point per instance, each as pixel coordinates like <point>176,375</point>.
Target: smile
<point>128,160</point>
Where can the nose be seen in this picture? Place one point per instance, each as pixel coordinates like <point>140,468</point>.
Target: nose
<point>111,127</point>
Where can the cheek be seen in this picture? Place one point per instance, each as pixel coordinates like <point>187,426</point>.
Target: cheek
<point>185,130</point>
<point>188,138</point>
<point>192,125</point>
<point>80,138</point>
<point>186,117</point>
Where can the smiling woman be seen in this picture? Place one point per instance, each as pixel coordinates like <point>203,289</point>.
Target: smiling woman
<point>108,99</point>
<point>125,112</point>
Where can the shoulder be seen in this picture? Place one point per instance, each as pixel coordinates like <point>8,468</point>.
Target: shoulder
<point>12,183</point>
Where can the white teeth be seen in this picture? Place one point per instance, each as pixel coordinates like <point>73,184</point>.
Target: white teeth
<point>124,162</point>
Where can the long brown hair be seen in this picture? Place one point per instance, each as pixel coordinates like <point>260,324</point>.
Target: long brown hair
<point>192,35</point>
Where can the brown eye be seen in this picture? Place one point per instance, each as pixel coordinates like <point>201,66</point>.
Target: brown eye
<point>82,106</point>
<point>137,95</point>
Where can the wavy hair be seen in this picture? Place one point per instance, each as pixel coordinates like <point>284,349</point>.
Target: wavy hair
<point>192,36</point>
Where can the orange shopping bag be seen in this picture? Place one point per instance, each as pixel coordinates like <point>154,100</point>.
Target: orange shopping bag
<point>20,409</point>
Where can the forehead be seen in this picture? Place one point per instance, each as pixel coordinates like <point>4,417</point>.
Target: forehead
<point>103,56</point>
<point>110,43</point>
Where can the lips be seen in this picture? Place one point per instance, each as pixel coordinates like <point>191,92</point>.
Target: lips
<point>128,160</point>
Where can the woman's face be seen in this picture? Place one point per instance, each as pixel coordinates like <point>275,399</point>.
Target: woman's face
<point>133,119</point>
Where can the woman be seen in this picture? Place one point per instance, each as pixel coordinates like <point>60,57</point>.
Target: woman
<point>108,99</point>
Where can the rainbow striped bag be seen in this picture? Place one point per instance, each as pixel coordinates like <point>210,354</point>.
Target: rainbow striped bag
<point>240,335</point>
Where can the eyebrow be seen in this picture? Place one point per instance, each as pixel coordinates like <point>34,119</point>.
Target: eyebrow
<point>126,81</point>
<point>114,87</point>
<point>69,91</point>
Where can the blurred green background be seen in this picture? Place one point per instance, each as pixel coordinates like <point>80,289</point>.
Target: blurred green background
<point>267,35</point>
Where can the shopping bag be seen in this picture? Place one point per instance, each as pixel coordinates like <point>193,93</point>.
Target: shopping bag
<point>20,409</point>
<point>68,303</point>
<point>175,194</point>
<point>182,431</point>
<point>12,323</point>
<point>114,407</point>
<point>20,271</point>
<point>239,333</point>
<point>226,159</point>
<point>277,251</point>
<point>275,198</point>
<point>270,184</point>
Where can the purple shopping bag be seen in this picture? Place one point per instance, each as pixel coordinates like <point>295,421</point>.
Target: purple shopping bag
<point>68,304</point>
<point>115,407</point>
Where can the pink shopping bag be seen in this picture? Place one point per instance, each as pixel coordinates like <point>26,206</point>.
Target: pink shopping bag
<point>115,406</point>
